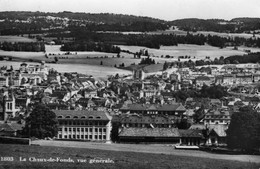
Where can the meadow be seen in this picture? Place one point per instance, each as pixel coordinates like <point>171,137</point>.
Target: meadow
<point>99,72</point>
<point>89,158</point>
<point>15,39</point>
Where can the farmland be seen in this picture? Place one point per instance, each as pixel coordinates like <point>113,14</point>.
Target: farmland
<point>118,159</point>
<point>95,71</point>
<point>15,39</point>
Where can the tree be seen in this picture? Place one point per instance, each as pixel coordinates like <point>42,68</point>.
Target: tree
<point>199,114</point>
<point>101,62</point>
<point>165,66</point>
<point>244,129</point>
<point>56,59</point>
<point>41,123</point>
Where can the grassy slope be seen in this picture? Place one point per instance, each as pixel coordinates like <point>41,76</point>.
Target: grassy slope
<point>121,159</point>
<point>15,39</point>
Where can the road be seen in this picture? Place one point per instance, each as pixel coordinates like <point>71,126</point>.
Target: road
<point>145,148</point>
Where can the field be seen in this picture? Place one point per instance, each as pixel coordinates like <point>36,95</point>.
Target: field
<point>101,64</point>
<point>195,51</point>
<point>15,39</point>
<point>95,71</point>
<point>115,159</point>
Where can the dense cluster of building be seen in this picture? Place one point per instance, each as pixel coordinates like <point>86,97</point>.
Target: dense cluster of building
<point>138,108</point>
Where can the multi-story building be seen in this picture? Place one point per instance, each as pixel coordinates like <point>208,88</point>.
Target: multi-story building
<point>175,109</point>
<point>217,117</point>
<point>4,81</point>
<point>203,80</point>
<point>83,125</point>
<point>244,78</point>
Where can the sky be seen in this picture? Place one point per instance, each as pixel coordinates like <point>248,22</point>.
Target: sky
<point>162,9</point>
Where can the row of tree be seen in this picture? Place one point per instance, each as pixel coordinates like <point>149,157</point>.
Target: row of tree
<point>23,46</point>
<point>90,46</point>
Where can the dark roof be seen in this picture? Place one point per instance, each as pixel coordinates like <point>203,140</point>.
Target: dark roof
<point>10,127</point>
<point>82,114</point>
<point>147,119</point>
<point>191,133</point>
<point>203,78</point>
<point>165,107</point>
<point>149,132</point>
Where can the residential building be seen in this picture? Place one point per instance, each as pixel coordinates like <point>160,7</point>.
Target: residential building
<point>217,117</point>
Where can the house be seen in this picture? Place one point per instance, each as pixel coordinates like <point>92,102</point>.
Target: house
<point>83,125</point>
<point>202,80</point>
<point>4,81</point>
<point>175,109</point>
<point>161,135</point>
<point>244,79</point>
<point>217,134</point>
<point>10,129</point>
<point>217,117</point>
<point>228,79</point>
<point>136,135</point>
<point>138,74</point>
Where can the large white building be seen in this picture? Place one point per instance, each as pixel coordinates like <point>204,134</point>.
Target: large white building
<point>84,125</point>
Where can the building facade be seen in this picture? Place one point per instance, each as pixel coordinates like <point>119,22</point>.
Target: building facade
<point>83,125</point>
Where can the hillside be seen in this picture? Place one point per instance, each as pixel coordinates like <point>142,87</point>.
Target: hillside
<point>236,25</point>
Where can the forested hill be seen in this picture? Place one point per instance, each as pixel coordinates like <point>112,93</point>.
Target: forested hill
<point>105,18</point>
<point>22,22</point>
<point>35,22</point>
<point>236,25</point>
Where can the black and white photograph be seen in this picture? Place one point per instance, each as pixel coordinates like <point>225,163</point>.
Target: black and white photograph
<point>125,84</point>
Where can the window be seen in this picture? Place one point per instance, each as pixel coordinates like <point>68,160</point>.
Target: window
<point>77,136</point>
<point>90,136</point>
<point>86,129</point>
<point>104,137</point>
<point>78,129</point>
<point>82,136</point>
<point>75,117</point>
<point>86,136</point>
<point>60,129</point>
<point>82,129</point>
<point>74,129</point>
<point>90,129</point>
<point>60,136</point>
<point>100,130</point>
<point>69,129</point>
<point>104,130</point>
<point>67,117</point>
<point>100,137</point>
<point>59,117</point>
<point>96,130</point>
<point>65,136</point>
<point>65,129</point>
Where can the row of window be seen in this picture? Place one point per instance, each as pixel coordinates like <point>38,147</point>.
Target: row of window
<point>83,123</point>
<point>146,125</point>
<point>77,117</point>
<point>83,129</point>
<point>214,121</point>
<point>157,112</point>
<point>217,116</point>
<point>85,137</point>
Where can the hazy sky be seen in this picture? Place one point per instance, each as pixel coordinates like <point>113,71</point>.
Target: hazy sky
<point>162,9</point>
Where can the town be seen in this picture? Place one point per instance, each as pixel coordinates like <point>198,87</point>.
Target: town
<point>181,106</point>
